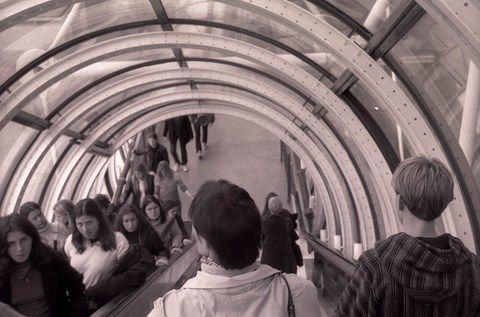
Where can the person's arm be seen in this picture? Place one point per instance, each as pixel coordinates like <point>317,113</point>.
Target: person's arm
<point>73,282</point>
<point>140,152</point>
<point>122,244</point>
<point>8,311</point>
<point>182,187</point>
<point>360,297</point>
<point>155,245</point>
<point>176,238</point>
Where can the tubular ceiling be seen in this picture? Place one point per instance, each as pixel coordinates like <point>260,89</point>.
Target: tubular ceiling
<point>334,170</point>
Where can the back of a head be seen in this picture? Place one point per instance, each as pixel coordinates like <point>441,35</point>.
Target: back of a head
<point>64,205</point>
<point>226,216</point>
<point>102,200</point>
<point>425,186</point>
<point>28,207</point>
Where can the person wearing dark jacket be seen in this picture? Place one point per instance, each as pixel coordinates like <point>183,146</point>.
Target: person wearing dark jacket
<point>34,279</point>
<point>136,228</point>
<point>277,238</point>
<point>178,129</point>
<point>139,185</point>
<point>155,153</point>
<point>417,272</point>
<point>109,266</point>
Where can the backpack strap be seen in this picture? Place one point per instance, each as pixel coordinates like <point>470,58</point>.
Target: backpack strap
<point>291,306</point>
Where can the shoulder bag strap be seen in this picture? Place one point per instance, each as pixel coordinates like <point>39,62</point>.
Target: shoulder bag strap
<point>291,306</point>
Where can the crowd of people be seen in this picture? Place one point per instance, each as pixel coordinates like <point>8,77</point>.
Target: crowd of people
<point>96,249</point>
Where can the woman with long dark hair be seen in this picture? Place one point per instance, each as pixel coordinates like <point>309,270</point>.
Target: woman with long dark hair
<point>166,190</point>
<point>93,248</point>
<point>279,249</point>
<point>164,224</point>
<point>136,228</point>
<point>34,279</point>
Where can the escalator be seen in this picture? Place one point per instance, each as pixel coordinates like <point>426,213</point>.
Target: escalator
<point>139,302</point>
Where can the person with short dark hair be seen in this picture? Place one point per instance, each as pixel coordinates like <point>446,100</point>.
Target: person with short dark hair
<point>52,234</point>
<point>154,153</point>
<point>34,279</point>
<point>139,185</point>
<point>228,230</point>
<point>108,209</point>
<point>136,228</point>
<point>417,272</point>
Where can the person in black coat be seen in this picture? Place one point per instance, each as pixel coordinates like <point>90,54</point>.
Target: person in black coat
<point>178,129</point>
<point>155,153</point>
<point>136,228</point>
<point>36,280</point>
<point>277,236</point>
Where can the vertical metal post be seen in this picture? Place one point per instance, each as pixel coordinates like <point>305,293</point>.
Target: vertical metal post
<point>377,15</point>
<point>122,180</point>
<point>470,112</point>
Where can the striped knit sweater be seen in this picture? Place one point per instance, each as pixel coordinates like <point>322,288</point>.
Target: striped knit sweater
<point>406,276</point>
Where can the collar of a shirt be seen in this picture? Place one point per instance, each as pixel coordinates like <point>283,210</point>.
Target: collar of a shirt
<point>213,277</point>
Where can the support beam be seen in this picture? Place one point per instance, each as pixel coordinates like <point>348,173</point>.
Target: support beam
<point>471,107</point>
<point>40,124</point>
<point>399,23</point>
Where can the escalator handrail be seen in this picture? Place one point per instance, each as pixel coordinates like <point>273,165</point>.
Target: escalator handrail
<point>129,295</point>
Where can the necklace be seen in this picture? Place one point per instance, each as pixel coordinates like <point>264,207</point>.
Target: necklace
<point>209,261</point>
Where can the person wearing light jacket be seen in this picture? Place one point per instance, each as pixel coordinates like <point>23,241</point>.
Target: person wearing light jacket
<point>228,231</point>
<point>417,272</point>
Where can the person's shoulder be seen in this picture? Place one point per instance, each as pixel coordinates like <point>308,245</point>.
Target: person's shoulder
<point>120,237</point>
<point>175,303</point>
<point>299,285</point>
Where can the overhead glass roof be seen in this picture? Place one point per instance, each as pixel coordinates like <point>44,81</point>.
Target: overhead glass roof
<point>357,86</point>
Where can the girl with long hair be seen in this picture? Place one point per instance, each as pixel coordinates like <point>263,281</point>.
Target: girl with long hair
<point>166,190</point>
<point>164,224</point>
<point>63,211</point>
<point>136,228</point>
<point>34,279</point>
<point>93,248</point>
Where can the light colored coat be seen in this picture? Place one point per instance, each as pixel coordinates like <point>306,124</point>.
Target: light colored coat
<point>258,292</point>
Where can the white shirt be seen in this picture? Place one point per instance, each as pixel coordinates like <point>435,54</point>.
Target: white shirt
<point>95,264</point>
<point>259,292</point>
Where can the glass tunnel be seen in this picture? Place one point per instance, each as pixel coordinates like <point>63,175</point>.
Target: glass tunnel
<point>346,89</point>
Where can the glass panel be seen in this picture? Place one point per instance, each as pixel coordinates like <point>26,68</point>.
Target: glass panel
<point>43,32</point>
<point>380,115</point>
<point>93,117</point>
<point>239,17</point>
<point>49,99</point>
<point>371,13</point>
<point>14,139</point>
<point>40,177</point>
<point>436,65</point>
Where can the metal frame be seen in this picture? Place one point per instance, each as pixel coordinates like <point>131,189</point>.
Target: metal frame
<point>163,113</point>
<point>320,130</point>
<point>403,18</point>
<point>202,38</point>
